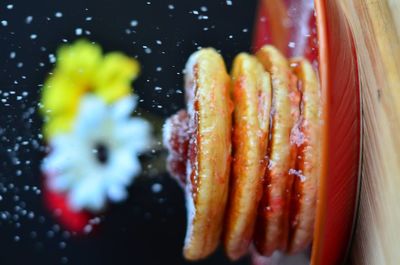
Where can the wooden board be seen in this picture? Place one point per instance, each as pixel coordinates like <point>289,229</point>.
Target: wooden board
<point>376,27</point>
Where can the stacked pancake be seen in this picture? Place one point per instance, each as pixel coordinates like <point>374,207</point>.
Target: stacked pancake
<point>247,151</point>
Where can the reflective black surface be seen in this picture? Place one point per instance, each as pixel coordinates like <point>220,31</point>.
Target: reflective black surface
<point>149,227</point>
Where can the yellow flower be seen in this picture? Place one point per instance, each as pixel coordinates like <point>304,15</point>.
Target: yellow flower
<point>81,68</point>
<point>114,76</point>
<point>61,95</point>
<point>79,61</point>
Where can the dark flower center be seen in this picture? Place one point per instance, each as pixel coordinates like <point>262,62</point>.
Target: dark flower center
<point>101,152</point>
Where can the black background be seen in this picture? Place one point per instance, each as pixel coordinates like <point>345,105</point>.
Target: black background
<point>149,227</point>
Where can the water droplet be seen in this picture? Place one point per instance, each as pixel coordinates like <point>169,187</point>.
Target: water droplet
<point>78,31</point>
<point>156,188</point>
<point>52,58</point>
<point>28,19</point>
<point>134,23</point>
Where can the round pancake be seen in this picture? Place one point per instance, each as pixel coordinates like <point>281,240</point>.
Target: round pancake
<point>309,158</point>
<point>207,87</point>
<point>272,222</point>
<point>251,91</point>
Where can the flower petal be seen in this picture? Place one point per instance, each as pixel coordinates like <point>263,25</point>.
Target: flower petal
<point>123,167</point>
<point>116,193</point>
<point>135,133</point>
<point>60,95</point>
<point>88,193</point>
<point>79,61</point>
<point>61,182</point>
<point>123,108</point>
<point>58,125</point>
<point>61,157</point>
<point>92,113</point>
<point>116,68</point>
<point>114,91</point>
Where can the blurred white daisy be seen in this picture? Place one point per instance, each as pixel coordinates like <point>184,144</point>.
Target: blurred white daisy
<point>98,159</point>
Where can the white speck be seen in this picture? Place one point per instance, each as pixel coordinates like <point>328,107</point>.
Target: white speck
<point>78,31</point>
<point>245,30</point>
<point>205,29</point>
<point>158,42</point>
<point>157,88</point>
<point>88,18</point>
<point>159,69</point>
<point>62,244</point>
<point>12,55</point>
<point>195,12</point>
<point>31,215</point>
<point>203,8</point>
<point>297,173</point>
<point>230,37</point>
<point>33,36</point>
<point>201,17</point>
<point>16,238</point>
<point>292,44</point>
<point>50,234</point>
<point>28,19</point>
<point>228,2</point>
<point>171,7</point>
<point>9,7</point>
<point>20,64</point>
<point>52,58</point>
<point>146,49</point>
<point>4,23</point>
<point>156,188</point>
<point>87,229</point>
<point>134,23</point>
<point>58,14</point>
<point>87,32</point>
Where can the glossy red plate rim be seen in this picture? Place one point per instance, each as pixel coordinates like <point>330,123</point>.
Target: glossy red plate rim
<point>339,190</point>
<point>338,71</point>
